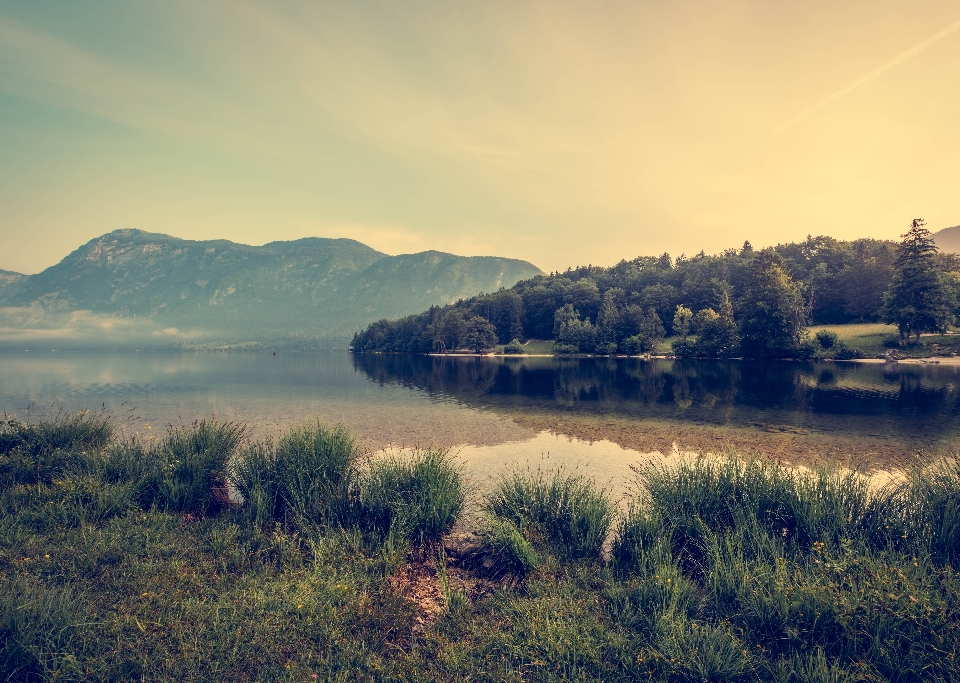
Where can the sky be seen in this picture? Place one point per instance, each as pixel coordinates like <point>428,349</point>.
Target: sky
<point>562,133</point>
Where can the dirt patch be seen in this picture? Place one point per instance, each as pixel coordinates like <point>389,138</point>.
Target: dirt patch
<point>417,581</point>
<point>421,580</point>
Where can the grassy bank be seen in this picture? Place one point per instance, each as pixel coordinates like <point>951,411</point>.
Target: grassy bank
<point>200,556</point>
<point>870,339</point>
<point>875,339</point>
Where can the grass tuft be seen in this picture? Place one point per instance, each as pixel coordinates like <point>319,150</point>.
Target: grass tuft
<point>308,477</point>
<point>503,551</point>
<point>38,452</point>
<point>188,472</point>
<point>567,514</point>
<point>417,496</point>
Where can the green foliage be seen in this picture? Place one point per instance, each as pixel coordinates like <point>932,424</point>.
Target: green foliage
<point>840,282</point>
<point>308,477</point>
<point>504,551</point>
<point>573,335</point>
<point>564,514</point>
<point>682,319</point>
<point>650,336</point>
<point>37,625</point>
<point>772,310</point>
<point>417,496</point>
<point>479,334</point>
<point>514,347</point>
<point>920,297</point>
<point>608,323</point>
<point>827,339</point>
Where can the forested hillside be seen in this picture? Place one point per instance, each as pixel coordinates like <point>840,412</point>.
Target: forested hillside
<point>312,291</point>
<point>762,298</point>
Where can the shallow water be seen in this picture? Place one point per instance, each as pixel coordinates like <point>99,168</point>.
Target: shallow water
<point>473,404</point>
<point>906,403</point>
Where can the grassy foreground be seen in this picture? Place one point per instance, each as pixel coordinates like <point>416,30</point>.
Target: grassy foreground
<point>201,556</point>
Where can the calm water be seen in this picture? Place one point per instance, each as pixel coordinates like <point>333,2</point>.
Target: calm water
<point>909,402</point>
<point>467,402</point>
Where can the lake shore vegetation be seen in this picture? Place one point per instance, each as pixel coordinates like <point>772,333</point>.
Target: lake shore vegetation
<point>739,303</point>
<point>201,555</point>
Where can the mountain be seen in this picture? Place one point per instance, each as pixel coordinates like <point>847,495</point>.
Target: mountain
<point>219,290</point>
<point>10,283</point>
<point>948,239</point>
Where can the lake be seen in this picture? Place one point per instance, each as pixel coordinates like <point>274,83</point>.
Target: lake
<point>598,414</point>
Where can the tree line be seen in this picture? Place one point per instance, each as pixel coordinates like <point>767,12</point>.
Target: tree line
<point>741,302</point>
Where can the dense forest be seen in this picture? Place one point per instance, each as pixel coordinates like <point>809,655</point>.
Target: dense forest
<point>739,302</point>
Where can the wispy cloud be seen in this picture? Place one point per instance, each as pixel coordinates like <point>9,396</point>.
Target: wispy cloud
<point>44,68</point>
<point>866,78</point>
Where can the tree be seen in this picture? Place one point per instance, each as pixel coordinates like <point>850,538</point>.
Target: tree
<point>681,322</point>
<point>662,298</point>
<point>479,334</point>
<point>650,335</point>
<point>584,296</point>
<point>866,278</point>
<point>920,298</point>
<point>506,314</point>
<point>448,330</point>
<point>608,324</point>
<point>717,334</point>
<point>772,311</point>
<point>573,335</point>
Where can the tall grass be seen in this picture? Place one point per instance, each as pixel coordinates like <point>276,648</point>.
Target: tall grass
<point>821,576</point>
<point>188,471</point>
<point>925,512</point>
<point>417,496</point>
<point>308,477</point>
<point>720,570</point>
<point>37,452</point>
<point>37,624</point>
<point>721,495</point>
<point>567,514</point>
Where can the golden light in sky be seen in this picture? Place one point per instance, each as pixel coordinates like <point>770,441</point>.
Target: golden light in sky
<point>560,133</point>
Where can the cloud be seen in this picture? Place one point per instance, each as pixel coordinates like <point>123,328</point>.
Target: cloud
<point>876,73</point>
<point>31,323</point>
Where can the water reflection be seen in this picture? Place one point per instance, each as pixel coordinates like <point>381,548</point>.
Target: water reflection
<point>911,402</point>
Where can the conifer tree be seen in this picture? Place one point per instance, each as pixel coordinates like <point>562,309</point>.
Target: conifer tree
<point>919,298</point>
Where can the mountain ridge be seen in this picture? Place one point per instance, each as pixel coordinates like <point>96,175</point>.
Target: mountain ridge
<point>313,287</point>
<point>948,239</point>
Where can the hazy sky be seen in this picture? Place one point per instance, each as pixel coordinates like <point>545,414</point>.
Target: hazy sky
<point>561,133</point>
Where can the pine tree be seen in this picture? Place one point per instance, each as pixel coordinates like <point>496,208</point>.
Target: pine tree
<point>608,324</point>
<point>919,298</point>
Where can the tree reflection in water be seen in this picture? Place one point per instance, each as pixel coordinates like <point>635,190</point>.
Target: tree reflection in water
<point>909,402</point>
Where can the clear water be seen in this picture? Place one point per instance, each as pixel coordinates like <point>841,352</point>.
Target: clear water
<point>909,403</point>
<point>467,403</point>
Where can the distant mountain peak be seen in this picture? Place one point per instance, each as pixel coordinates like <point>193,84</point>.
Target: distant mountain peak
<point>948,239</point>
<point>310,287</point>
